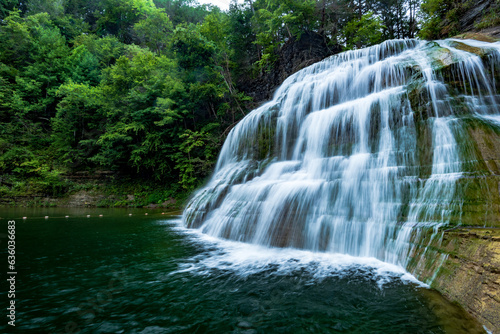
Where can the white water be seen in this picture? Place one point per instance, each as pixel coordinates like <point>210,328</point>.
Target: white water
<point>246,259</point>
<point>347,170</point>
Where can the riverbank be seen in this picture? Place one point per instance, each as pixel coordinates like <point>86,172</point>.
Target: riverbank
<point>97,190</point>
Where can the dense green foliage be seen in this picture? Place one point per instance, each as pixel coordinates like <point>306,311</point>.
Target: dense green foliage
<point>112,85</point>
<point>363,32</point>
<point>149,88</point>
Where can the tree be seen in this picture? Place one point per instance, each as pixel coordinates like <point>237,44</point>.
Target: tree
<point>244,51</point>
<point>7,6</point>
<point>153,29</point>
<point>117,17</point>
<point>78,124</point>
<point>435,12</point>
<point>51,7</point>
<point>195,158</point>
<point>36,52</point>
<point>183,11</point>
<point>364,32</point>
<point>142,115</point>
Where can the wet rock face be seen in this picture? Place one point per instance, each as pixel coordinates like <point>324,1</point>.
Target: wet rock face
<point>469,273</point>
<point>474,14</point>
<point>469,17</point>
<point>294,56</point>
<point>489,35</point>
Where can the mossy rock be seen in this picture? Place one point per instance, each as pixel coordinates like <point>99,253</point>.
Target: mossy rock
<point>470,272</point>
<point>478,37</point>
<point>441,57</point>
<point>471,49</point>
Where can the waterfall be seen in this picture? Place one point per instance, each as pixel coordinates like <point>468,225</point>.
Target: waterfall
<point>355,154</point>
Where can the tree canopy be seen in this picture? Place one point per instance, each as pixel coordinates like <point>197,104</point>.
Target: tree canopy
<point>151,88</point>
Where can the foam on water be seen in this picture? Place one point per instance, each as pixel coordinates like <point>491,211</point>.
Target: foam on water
<point>245,259</point>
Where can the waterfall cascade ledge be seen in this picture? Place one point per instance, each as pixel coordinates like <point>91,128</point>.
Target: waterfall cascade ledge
<point>362,153</point>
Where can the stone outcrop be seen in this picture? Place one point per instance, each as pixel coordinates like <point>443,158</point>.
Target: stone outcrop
<point>464,265</point>
<point>474,14</point>
<point>293,56</point>
<point>465,16</point>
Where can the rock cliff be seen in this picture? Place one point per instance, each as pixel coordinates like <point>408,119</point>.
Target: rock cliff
<point>464,265</point>
<point>293,56</point>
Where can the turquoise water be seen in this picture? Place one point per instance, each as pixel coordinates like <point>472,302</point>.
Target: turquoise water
<point>147,274</point>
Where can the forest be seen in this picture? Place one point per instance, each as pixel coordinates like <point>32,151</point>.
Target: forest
<point>149,90</point>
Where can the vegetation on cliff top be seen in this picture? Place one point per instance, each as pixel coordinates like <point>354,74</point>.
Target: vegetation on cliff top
<point>150,89</point>
<point>446,18</point>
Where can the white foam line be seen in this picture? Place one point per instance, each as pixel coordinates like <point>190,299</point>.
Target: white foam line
<point>247,259</point>
<point>490,118</point>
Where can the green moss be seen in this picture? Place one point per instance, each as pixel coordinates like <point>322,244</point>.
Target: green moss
<point>424,143</point>
<point>468,48</point>
<point>266,141</point>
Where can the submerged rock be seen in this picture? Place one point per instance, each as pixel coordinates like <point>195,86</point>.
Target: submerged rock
<point>245,325</point>
<point>153,330</point>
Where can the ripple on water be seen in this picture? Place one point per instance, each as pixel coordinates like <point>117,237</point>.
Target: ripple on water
<point>174,280</point>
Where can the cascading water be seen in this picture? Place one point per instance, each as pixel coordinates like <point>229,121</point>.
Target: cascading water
<point>342,161</point>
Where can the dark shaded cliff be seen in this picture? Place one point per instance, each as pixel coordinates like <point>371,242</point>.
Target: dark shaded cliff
<point>293,56</point>
<point>455,17</point>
